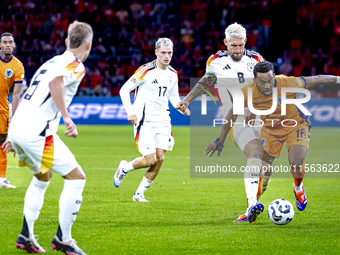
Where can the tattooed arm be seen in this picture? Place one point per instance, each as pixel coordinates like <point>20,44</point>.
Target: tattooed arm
<point>195,92</point>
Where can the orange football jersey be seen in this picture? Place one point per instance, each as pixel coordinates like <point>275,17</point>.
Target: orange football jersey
<point>262,102</point>
<point>11,71</point>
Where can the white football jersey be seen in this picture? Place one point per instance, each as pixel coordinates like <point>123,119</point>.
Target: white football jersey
<point>154,88</point>
<point>230,73</point>
<point>37,114</point>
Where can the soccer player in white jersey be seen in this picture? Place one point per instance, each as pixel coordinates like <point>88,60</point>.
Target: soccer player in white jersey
<point>155,83</point>
<point>234,69</point>
<point>32,135</point>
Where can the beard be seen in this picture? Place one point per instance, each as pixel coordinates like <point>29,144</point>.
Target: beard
<point>236,57</point>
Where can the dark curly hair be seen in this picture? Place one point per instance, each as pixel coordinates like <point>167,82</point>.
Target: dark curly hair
<point>263,67</point>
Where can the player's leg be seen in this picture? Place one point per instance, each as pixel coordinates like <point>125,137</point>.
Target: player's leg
<point>149,176</point>
<point>266,174</point>
<point>138,163</point>
<point>296,156</point>
<point>66,165</point>
<point>247,141</point>
<point>297,145</point>
<point>29,154</point>
<point>34,200</point>
<point>3,165</point>
<point>144,140</point>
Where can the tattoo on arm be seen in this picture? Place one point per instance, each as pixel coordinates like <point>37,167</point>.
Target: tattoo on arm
<point>197,90</point>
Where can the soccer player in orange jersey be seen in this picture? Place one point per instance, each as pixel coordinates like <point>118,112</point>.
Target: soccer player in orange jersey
<point>296,129</point>
<point>12,72</point>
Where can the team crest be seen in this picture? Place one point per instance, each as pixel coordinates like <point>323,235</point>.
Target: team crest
<point>170,80</point>
<point>279,100</point>
<point>8,73</point>
<point>133,80</point>
<point>147,147</point>
<point>250,67</point>
<point>263,142</point>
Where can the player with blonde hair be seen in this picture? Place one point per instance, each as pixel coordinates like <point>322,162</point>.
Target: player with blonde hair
<point>32,135</point>
<point>232,69</point>
<point>155,83</point>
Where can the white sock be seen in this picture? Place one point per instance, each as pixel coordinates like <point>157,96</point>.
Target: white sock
<point>251,180</point>
<point>2,179</point>
<point>69,204</point>
<point>34,200</point>
<point>144,185</point>
<point>128,167</point>
<point>265,183</point>
<point>297,188</point>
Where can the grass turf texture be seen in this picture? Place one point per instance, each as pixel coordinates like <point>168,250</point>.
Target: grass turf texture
<point>185,216</point>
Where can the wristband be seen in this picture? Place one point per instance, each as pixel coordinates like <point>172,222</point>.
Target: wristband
<point>338,80</point>
<point>219,146</point>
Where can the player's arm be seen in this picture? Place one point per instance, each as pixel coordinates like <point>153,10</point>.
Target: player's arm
<point>57,90</point>
<point>195,92</point>
<point>16,96</point>
<point>311,81</point>
<point>124,93</point>
<point>174,99</point>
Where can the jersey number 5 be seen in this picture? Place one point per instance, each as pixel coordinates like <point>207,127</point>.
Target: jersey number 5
<point>160,91</point>
<point>34,85</point>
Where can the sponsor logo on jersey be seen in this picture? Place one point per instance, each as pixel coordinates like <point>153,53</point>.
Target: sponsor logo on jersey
<point>133,80</point>
<point>8,73</point>
<point>226,67</point>
<point>263,142</point>
<point>155,82</point>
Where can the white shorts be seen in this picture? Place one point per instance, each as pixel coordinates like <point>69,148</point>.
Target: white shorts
<point>152,135</point>
<point>243,134</point>
<point>41,154</point>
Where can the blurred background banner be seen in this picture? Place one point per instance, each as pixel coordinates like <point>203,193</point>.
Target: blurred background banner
<point>325,113</point>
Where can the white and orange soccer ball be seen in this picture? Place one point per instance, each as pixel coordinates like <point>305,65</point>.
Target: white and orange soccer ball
<point>280,211</point>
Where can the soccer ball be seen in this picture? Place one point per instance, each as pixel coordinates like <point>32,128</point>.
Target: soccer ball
<point>280,211</point>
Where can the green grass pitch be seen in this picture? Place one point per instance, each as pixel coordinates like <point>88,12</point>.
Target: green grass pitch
<point>185,215</point>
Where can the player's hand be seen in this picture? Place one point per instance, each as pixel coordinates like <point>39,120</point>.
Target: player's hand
<point>211,148</point>
<point>248,115</point>
<point>186,112</point>
<point>71,128</point>
<point>133,119</point>
<point>7,147</point>
<point>182,105</point>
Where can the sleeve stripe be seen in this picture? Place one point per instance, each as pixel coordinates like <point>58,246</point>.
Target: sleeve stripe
<point>303,81</point>
<point>211,59</point>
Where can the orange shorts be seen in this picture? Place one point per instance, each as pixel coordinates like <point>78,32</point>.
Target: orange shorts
<point>272,144</point>
<point>4,122</point>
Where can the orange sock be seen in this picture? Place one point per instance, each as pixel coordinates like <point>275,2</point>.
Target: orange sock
<point>298,175</point>
<point>259,190</point>
<point>3,163</point>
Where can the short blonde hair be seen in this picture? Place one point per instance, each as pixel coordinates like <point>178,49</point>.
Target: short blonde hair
<point>235,31</point>
<point>78,32</point>
<point>163,41</point>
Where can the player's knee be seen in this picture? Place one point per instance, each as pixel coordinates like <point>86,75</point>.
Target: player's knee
<point>151,160</point>
<point>160,159</point>
<point>296,164</point>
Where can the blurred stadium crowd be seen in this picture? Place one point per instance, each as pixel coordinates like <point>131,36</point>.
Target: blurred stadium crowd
<point>300,37</point>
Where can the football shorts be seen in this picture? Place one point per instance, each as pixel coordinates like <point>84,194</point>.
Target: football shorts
<point>241,134</point>
<point>4,122</point>
<point>272,144</point>
<point>152,135</point>
<point>41,154</point>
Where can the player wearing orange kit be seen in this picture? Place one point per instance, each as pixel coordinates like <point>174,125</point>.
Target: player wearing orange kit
<point>292,128</point>
<point>11,72</point>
